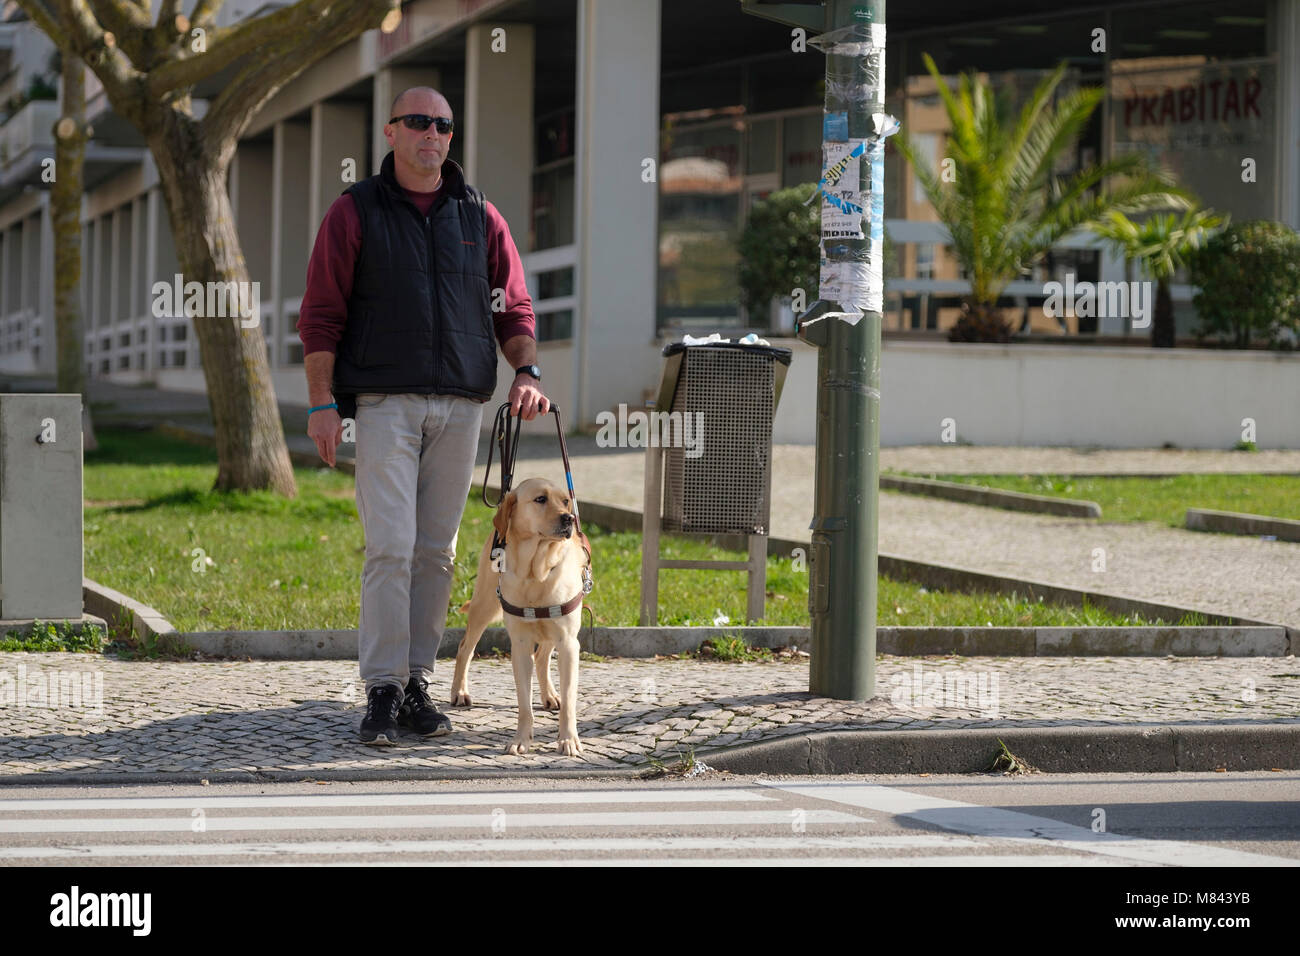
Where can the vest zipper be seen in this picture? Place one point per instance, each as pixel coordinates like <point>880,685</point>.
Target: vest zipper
<point>433,307</point>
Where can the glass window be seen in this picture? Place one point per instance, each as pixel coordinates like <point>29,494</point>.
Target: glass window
<point>801,142</point>
<point>552,213</point>
<point>1195,97</point>
<point>700,194</point>
<point>555,283</point>
<point>761,154</point>
<point>555,325</point>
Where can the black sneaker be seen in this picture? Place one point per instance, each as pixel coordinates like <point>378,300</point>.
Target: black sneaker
<point>379,726</point>
<point>419,714</point>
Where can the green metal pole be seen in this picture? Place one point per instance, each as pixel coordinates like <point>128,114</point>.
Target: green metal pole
<point>845,325</point>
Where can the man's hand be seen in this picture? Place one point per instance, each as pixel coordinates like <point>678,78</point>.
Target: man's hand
<point>526,398</point>
<point>326,430</point>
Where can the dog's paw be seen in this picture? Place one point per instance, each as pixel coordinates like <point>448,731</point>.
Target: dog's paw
<point>461,698</point>
<point>519,746</point>
<point>550,701</point>
<point>569,746</point>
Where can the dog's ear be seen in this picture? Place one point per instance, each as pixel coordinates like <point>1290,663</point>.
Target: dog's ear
<point>501,521</point>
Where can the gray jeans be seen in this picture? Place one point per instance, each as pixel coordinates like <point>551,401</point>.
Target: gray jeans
<point>415,461</point>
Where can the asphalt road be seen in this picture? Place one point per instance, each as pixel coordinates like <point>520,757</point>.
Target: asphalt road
<point>1058,820</point>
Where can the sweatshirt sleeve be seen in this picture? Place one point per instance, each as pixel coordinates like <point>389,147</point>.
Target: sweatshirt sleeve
<point>506,271</point>
<point>324,310</point>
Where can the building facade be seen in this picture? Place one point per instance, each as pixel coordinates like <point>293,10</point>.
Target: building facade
<point>625,141</point>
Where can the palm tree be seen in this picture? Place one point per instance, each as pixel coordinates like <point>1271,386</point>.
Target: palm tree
<point>1161,246</point>
<point>1006,206</point>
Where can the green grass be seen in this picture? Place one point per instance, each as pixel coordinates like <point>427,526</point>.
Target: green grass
<point>47,636</point>
<point>1163,500</point>
<point>273,563</point>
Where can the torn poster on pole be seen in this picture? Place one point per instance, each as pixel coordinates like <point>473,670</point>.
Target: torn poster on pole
<point>851,189</point>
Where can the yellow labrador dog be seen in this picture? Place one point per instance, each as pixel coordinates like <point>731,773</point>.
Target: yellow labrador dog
<point>541,573</point>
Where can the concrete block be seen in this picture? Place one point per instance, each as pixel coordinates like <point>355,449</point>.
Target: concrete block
<point>40,506</point>
<point>1232,522</point>
<point>991,497</point>
<point>1160,641</point>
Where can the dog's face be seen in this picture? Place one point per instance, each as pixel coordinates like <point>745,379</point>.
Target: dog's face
<point>536,508</point>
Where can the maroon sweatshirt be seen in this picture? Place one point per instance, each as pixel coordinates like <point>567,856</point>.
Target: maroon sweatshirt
<point>324,310</point>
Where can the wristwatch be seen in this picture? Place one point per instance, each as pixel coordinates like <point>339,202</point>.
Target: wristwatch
<point>532,370</point>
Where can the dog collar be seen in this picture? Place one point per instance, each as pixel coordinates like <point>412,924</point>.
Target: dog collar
<point>542,613</point>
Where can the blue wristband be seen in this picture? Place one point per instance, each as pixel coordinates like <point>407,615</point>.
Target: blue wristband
<point>320,407</point>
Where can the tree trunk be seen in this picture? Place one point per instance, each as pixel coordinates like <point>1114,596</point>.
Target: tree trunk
<point>70,136</point>
<point>980,322</point>
<point>1163,328</point>
<point>251,451</point>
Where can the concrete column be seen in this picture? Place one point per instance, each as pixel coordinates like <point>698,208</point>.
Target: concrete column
<point>389,81</point>
<point>9,292</point>
<point>250,200</point>
<point>338,133</point>
<point>617,213</point>
<point>289,249</point>
<point>152,203</point>
<point>45,303</point>
<point>113,285</point>
<point>31,239</point>
<point>1288,107</point>
<point>499,118</point>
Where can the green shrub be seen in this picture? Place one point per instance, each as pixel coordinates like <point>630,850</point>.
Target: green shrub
<point>779,247</point>
<point>1248,281</point>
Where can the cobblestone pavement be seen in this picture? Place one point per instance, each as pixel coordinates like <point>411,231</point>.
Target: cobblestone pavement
<point>252,716</point>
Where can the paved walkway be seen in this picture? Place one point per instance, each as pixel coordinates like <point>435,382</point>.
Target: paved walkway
<point>260,716</point>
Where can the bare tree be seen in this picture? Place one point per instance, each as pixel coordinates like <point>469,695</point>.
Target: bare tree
<point>149,69</point>
<point>70,136</point>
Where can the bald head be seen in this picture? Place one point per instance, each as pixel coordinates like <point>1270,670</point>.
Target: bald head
<point>421,99</point>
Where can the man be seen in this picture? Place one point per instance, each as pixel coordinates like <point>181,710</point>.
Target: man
<point>397,324</point>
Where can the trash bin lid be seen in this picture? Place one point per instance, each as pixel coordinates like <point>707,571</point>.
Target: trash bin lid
<point>773,352</point>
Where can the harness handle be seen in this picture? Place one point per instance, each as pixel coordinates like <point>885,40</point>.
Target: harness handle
<point>507,435</point>
<point>508,429</point>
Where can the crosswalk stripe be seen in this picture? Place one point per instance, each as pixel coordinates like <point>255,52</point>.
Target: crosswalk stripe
<point>865,861</point>
<point>305,800</point>
<point>491,845</point>
<point>402,821</point>
<point>1003,824</point>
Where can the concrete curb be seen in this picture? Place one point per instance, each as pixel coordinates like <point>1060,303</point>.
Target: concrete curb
<point>1109,749</point>
<point>644,642</point>
<point>991,497</point>
<point>25,626</point>
<point>1233,522</point>
<point>1080,749</point>
<point>117,608</point>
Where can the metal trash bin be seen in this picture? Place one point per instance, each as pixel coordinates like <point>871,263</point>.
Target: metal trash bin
<point>732,391</point>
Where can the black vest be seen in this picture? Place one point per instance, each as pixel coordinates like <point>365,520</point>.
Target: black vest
<point>420,314</point>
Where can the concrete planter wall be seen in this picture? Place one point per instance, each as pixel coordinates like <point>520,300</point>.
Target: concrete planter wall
<point>1112,397</point>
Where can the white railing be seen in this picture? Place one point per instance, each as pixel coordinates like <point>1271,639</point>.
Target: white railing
<point>29,127</point>
<point>550,260</point>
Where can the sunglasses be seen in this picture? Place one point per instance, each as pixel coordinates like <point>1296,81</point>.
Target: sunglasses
<point>421,122</point>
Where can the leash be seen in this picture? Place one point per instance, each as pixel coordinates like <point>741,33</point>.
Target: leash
<point>508,430</point>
